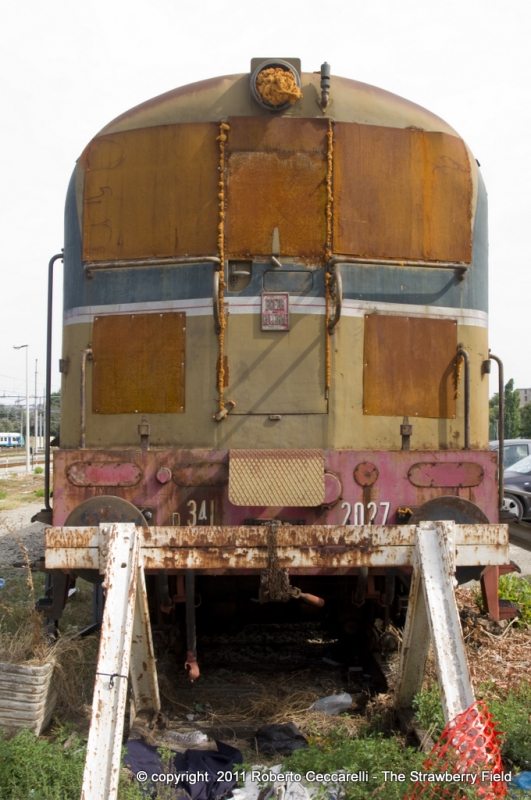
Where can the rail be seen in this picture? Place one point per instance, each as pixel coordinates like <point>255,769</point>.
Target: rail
<point>501,429</point>
<point>215,302</point>
<point>130,263</point>
<point>464,355</point>
<point>47,422</point>
<point>86,355</point>
<point>391,262</point>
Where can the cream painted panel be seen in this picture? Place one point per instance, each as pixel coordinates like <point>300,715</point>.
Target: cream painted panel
<point>344,427</point>
<point>276,372</point>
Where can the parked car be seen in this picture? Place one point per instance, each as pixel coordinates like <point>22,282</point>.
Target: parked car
<point>513,450</point>
<point>517,485</point>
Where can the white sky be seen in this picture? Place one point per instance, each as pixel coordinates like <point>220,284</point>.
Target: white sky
<point>70,66</point>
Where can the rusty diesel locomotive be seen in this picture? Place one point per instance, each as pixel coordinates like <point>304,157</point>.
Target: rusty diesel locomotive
<point>275,331</point>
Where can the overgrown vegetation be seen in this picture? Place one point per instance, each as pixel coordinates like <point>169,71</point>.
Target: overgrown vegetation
<point>511,712</point>
<point>517,420</point>
<point>12,417</point>
<point>518,590</point>
<point>371,752</point>
<point>49,768</point>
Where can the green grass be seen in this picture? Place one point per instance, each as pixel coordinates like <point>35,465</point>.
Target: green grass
<point>3,495</point>
<point>373,753</point>
<point>512,715</point>
<point>38,470</point>
<point>512,587</point>
<point>39,493</point>
<point>48,768</point>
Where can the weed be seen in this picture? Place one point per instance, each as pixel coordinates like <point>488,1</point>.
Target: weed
<point>372,753</point>
<point>39,493</point>
<point>43,768</point>
<point>38,470</point>
<point>511,587</point>
<point>3,495</point>
<point>428,710</point>
<point>512,714</point>
<point>49,768</point>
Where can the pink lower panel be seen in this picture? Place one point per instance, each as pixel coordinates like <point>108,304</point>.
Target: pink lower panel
<point>360,485</point>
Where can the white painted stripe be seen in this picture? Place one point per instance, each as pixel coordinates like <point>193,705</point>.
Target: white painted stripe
<point>202,307</point>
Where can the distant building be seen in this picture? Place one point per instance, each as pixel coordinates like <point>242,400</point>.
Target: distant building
<point>525,396</point>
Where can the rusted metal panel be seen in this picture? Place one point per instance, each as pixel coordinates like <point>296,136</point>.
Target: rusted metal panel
<point>139,364</point>
<point>206,473</point>
<point>401,193</point>
<point>448,475</point>
<point>304,560</point>
<point>409,367</point>
<point>276,478</point>
<point>103,473</point>
<point>276,179</point>
<point>303,548</point>
<point>151,192</point>
<point>336,536</point>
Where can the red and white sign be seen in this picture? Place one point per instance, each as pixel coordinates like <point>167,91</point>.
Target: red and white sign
<point>275,311</point>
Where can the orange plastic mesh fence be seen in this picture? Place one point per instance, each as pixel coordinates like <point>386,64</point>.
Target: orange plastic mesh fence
<point>469,745</point>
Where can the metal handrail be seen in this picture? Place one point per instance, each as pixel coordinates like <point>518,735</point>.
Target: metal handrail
<point>463,353</point>
<point>86,355</point>
<point>51,263</point>
<point>128,263</point>
<point>393,262</point>
<point>501,428</point>
<point>215,302</point>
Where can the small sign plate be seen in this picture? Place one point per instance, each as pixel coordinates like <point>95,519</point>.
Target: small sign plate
<point>275,311</point>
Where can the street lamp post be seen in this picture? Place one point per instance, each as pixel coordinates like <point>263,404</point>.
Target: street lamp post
<point>20,347</point>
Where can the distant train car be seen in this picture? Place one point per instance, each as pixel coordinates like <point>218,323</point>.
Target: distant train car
<point>11,440</point>
<point>275,304</point>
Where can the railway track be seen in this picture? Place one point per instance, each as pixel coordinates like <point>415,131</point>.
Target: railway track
<point>6,463</point>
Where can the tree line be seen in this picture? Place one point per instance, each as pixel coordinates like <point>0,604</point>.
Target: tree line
<point>10,416</point>
<point>517,419</point>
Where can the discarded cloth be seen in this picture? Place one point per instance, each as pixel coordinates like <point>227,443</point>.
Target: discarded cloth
<point>195,771</point>
<point>280,739</point>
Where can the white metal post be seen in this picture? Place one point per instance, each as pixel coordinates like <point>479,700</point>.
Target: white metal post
<point>434,603</point>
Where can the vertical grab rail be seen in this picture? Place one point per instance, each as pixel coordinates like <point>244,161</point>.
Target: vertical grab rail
<point>463,353</point>
<point>52,261</point>
<point>501,428</point>
<point>86,355</point>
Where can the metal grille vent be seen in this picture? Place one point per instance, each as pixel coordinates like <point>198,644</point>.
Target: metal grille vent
<point>276,478</point>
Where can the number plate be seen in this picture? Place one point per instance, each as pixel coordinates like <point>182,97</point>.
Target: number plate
<point>275,311</point>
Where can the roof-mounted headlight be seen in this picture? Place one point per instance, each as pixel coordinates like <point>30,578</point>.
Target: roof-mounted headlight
<point>275,84</point>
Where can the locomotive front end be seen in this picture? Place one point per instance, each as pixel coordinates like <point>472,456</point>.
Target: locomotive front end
<point>275,332</point>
